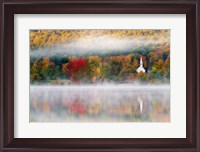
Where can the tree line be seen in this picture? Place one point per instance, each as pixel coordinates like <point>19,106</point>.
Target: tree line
<point>95,68</point>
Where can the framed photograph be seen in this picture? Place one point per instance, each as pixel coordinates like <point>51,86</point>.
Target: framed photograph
<point>100,75</point>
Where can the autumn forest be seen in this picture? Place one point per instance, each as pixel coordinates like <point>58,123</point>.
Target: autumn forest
<point>98,56</point>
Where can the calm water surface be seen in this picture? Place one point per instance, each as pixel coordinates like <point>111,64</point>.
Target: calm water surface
<point>120,103</point>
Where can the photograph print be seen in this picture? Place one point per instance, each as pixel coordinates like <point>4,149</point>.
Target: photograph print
<point>99,75</point>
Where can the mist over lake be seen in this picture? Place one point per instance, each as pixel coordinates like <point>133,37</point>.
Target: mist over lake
<point>100,103</point>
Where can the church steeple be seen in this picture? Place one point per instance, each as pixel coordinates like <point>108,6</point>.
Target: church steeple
<point>141,63</point>
<point>140,68</point>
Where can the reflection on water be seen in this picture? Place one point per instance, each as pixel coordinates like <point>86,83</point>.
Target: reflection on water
<point>99,104</point>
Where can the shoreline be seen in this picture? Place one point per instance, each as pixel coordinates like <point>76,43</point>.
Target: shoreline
<point>108,86</point>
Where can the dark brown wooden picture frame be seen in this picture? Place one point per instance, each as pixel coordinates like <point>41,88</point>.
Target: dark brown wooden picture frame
<point>189,7</point>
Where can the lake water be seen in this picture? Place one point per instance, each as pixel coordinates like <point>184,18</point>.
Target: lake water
<point>111,103</point>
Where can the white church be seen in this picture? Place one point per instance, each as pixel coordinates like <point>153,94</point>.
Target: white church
<point>140,68</point>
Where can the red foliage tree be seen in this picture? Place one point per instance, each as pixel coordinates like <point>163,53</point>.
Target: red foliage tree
<point>76,67</point>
